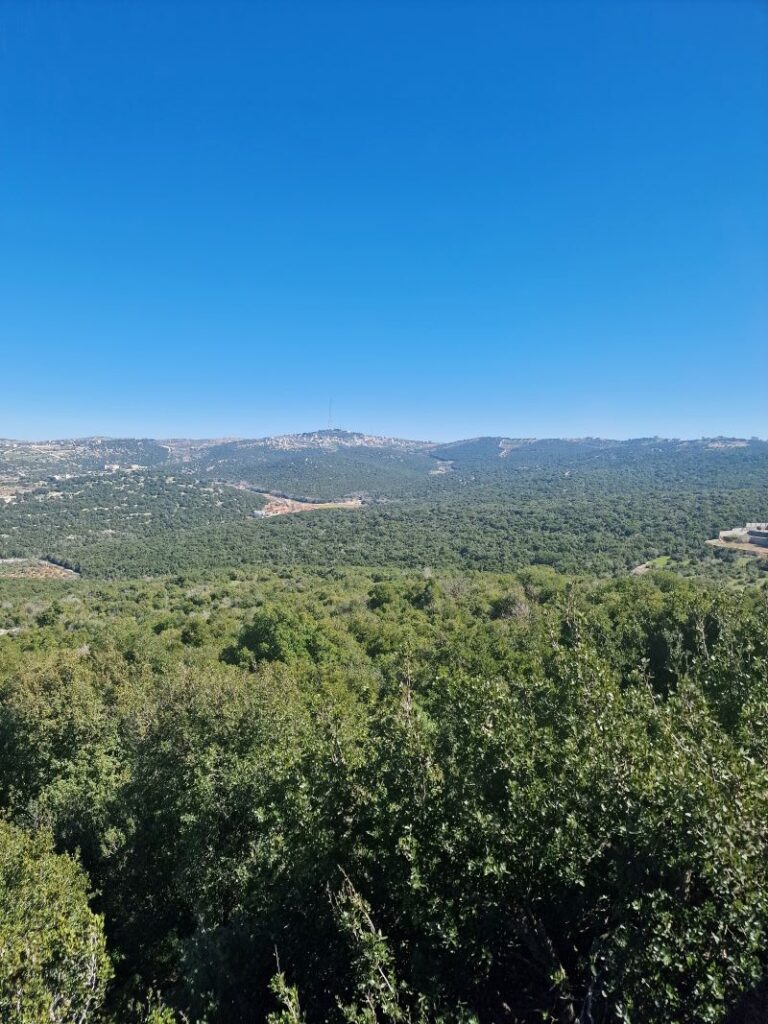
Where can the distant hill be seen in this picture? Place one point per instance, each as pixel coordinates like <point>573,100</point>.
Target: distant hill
<point>102,454</point>
<point>136,507</point>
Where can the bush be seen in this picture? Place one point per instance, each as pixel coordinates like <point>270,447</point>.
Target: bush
<point>53,962</point>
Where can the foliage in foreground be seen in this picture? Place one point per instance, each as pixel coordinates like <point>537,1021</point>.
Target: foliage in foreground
<point>395,798</point>
<point>53,962</point>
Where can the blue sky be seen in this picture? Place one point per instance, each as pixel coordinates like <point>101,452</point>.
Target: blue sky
<point>451,218</point>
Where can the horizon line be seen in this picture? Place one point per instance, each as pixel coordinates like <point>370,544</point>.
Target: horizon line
<point>229,438</point>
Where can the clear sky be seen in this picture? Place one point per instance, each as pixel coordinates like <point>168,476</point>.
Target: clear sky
<point>451,218</point>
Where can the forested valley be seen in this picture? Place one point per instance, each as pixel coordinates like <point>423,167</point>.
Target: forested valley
<point>442,758</point>
<point>581,507</point>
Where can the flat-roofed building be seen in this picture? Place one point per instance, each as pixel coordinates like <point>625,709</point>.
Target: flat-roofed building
<point>758,534</point>
<point>752,533</point>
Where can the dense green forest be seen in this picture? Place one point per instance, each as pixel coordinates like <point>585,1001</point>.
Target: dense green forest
<point>602,535</point>
<point>382,796</point>
<point>85,513</point>
<point>439,758</point>
<point>591,507</point>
